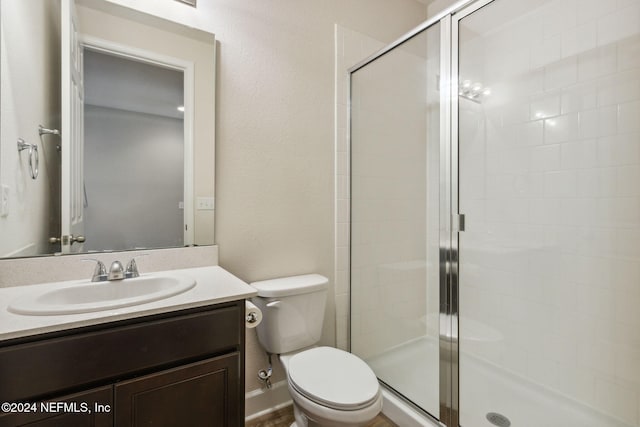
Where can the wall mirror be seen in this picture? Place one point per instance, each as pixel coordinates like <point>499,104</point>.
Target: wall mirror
<point>107,124</point>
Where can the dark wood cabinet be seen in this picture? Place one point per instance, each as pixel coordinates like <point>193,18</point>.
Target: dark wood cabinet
<point>199,394</point>
<point>173,369</point>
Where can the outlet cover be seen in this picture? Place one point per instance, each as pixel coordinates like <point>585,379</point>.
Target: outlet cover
<point>205,204</point>
<point>4,200</point>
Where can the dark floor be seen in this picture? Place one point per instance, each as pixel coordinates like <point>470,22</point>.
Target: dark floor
<point>284,418</point>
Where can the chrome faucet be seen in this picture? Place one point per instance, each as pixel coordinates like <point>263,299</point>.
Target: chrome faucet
<point>116,271</point>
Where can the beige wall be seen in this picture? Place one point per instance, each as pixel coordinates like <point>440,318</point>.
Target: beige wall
<point>275,140</point>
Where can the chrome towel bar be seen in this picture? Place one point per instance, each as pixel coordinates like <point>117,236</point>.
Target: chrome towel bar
<point>34,159</point>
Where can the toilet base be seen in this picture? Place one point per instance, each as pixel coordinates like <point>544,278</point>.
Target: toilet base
<point>310,414</point>
<point>300,419</point>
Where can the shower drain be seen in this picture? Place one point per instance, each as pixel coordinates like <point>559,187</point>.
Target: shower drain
<point>498,419</point>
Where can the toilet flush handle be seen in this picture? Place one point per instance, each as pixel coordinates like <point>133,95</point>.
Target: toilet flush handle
<point>273,304</point>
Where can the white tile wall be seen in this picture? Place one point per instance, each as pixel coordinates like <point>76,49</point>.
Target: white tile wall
<point>388,264</point>
<point>389,252</point>
<point>351,47</point>
<point>395,190</point>
<point>551,256</point>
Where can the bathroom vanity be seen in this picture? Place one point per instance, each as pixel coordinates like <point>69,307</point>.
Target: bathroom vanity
<point>179,361</point>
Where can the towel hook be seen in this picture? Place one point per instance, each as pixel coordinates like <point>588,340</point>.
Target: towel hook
<point>34,158</point>
<point>44,131</point>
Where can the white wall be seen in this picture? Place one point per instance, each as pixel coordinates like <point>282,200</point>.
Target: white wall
<point>134,174</point>
<point>30,97</point>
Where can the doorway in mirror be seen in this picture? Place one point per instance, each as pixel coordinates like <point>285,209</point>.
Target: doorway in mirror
<point>134,154</point>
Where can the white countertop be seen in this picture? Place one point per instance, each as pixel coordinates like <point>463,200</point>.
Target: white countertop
<point>214,285</point>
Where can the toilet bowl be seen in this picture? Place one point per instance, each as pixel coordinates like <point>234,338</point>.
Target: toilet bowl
<point>329,387</point>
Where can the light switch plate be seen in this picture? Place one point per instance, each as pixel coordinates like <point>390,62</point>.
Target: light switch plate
<point>205,204</point>
<point>4,200</point>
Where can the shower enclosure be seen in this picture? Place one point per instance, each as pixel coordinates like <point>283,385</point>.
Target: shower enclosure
<point>495,214</point>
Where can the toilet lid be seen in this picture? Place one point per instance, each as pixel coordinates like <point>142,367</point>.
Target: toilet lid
<point>333,378</point>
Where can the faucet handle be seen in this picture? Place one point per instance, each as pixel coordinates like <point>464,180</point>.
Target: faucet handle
<point>100,272</point>
<point>132,268</point>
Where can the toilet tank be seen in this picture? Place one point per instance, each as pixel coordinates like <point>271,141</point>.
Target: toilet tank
<point>292,311</point>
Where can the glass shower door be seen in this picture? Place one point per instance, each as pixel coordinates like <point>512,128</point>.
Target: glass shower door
<point>549,165</point>
<point>395,133</point>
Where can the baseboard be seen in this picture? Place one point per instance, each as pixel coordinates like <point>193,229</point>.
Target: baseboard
<point>263,401</point>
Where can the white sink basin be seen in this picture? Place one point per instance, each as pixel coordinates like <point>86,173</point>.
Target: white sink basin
<point>88,296</point>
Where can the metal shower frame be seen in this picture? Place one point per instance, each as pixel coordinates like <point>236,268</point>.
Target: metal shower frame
<point>451,220</point>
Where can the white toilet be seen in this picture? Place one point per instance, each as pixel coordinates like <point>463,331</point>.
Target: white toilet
<point>329,387</point>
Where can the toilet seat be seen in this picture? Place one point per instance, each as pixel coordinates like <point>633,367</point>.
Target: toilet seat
<point>333,378</point>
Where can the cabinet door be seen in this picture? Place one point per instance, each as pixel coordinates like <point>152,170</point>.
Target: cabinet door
<point>205,393</point>
<point>93,408</point>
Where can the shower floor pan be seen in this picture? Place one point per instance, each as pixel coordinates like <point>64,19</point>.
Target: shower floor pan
<point>412,369</point>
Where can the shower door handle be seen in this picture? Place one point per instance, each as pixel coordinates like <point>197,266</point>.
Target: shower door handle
<point>457,223</point>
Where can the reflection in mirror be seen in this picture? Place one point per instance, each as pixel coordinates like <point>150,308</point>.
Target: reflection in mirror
<point>133,126</point>
<point>133,99</point>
